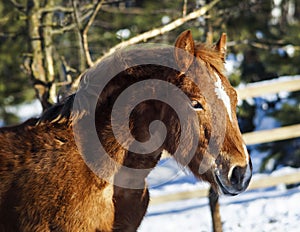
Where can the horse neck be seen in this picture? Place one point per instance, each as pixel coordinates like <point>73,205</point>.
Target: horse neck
<point>140,119</point>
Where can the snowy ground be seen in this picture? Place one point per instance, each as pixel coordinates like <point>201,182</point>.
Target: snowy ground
<point>273,209</point>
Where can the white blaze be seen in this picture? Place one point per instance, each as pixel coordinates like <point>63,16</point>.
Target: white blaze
<point>246,153</point>
<point>221,93</point>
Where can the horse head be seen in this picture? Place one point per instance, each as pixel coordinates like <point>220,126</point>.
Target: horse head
<point>221,156</point>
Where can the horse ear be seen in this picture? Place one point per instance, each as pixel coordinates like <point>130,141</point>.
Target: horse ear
<point>221,45</point>
<point>184,56</point>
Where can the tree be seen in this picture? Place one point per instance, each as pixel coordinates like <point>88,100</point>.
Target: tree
<point>58,46</point>
<point>65,37</point>
<point>14,85</point>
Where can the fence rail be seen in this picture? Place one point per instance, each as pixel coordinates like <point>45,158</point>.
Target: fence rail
<point>269,87</point>
<point>253,90</point>
<point>265,136</point>
<point>263,182</point>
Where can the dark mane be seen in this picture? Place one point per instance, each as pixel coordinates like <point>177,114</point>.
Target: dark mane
<point>58,113</point>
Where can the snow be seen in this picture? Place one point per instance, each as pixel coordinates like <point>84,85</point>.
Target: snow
<point>271,209</point>
<point>276,210</point>
<point>27,110</point>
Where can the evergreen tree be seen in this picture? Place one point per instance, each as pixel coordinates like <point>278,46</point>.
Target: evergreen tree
<point>15,87</point>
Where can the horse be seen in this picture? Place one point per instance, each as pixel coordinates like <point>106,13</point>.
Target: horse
<point>82,165</point>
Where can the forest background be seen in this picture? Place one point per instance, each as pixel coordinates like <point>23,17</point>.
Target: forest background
<point>45,45</point>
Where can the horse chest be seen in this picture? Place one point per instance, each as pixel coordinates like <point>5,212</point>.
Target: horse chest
<point>95,212</point>
<point>98,210</point>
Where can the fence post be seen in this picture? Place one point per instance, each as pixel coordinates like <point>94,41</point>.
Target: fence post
<point>215,210</point>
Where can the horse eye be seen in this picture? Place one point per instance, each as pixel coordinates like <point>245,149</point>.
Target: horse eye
<point>196,105</point>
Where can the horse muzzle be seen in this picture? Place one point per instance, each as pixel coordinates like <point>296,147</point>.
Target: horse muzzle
<point>236,181</point>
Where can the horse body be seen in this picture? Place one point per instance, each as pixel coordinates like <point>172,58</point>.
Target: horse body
<point>45,185</point>
<point>47,182</point>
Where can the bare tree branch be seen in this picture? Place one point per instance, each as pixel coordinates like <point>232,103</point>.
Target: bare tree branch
<point>135,10</point>
<point>18,6</point>
<point>78,28</point>
<point>56,8</point>
<point>266,45</point>
<point>94,14</point>
<point>184,9</point>
<point>85,31</point>
<point>78,22</point>
<point>159,31</point>
<point>71,26</point>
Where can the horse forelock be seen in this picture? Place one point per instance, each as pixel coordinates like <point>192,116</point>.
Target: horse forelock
<point>211,56</point>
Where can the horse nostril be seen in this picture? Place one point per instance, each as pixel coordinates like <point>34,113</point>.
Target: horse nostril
<point>237,176</point>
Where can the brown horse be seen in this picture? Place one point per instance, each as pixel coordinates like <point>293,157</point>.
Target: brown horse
<point>82,165</point>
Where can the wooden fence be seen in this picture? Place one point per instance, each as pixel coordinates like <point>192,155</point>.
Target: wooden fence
<point>254,90</point>
<point>288,84</point>
<point>262,182</point>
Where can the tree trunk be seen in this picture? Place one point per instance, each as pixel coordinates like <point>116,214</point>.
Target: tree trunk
<point>40,44</point>
<point>48,50</point>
